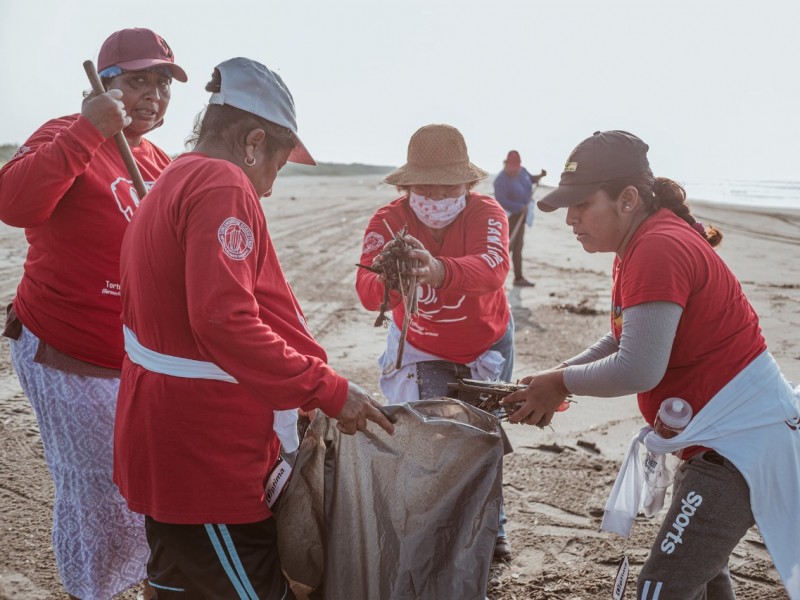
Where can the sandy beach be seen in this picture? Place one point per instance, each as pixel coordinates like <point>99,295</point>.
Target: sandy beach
<point>555,483</point>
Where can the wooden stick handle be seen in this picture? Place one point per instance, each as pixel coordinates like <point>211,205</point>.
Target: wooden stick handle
<point>518,226</point>
<point>410,304</point>
<point>119,137</point>
<point>402,345</point>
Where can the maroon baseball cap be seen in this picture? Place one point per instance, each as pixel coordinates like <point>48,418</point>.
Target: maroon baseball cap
<point>138,49</point>
<point>604,157</point>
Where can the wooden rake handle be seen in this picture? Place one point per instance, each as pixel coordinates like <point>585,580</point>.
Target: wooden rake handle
<point>119,137</point>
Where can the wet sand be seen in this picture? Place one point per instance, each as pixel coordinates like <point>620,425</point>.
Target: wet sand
<point>556,482</point>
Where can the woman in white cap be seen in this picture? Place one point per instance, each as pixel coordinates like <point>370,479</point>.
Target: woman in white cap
<point>68,187</point>
<point>216,342</point>
<point>464,327</point>
<point>681,327</point>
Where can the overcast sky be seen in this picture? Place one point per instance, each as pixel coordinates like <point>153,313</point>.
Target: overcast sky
<point>711,85</point>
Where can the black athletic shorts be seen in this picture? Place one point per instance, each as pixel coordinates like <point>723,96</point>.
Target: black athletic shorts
<point>215,561</point>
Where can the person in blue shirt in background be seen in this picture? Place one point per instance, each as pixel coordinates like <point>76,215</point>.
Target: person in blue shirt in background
<point>513,189</point>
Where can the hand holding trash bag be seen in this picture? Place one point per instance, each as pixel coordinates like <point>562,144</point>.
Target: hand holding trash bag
<point>358,409</point>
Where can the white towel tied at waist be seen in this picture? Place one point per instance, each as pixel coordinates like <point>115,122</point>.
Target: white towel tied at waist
<point>171,365</point>
<point>400,385</point>
<point>285,421</point>
<point>754,422</point>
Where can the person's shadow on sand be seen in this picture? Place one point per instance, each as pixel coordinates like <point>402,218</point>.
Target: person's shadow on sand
<point>523,315</point>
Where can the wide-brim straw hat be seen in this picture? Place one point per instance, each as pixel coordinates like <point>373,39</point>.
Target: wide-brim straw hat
<point>437,154</point>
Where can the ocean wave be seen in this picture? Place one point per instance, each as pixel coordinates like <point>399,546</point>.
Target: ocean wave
<point>763,193</point>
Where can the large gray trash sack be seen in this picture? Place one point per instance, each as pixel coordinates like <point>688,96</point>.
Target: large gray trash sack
<point>408,516</point>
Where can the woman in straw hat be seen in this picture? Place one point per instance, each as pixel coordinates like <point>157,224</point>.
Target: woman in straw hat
<point>681,327</point>
<point>464,327</point>
<point>68,187</point>
<point>216,342</point>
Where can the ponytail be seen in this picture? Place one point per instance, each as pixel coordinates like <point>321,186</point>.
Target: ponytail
<point>671,195</point>
<point>660,192</point>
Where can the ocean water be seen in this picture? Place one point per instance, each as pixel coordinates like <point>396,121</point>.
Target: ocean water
<point>767,194</point>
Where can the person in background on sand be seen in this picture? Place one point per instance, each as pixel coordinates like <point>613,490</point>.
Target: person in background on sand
<point>464,327</point>
<point>68,187</point>
<point>513,189</point>
<point>216,341</point>
<point>681,327</point>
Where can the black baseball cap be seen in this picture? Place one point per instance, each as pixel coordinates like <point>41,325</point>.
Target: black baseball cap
<point>605,156</point>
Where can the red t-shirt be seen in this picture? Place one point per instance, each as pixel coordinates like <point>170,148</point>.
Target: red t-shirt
<point>67,185</point>
<point>460,320</point>
<point>201,280</point>
<point>718,333</point>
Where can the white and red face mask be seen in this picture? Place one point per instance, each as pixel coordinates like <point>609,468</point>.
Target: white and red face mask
<point>437,214</point>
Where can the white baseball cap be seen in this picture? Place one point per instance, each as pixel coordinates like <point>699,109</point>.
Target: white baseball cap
<point>250,86</point>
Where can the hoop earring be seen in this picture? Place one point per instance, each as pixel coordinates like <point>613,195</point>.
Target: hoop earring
<point>250,161</point>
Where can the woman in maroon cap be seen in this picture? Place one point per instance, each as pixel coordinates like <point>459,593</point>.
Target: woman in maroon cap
<point>681,329</point>
<point>68,187</point>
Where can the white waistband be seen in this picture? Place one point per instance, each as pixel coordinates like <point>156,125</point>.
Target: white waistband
<point>285,421</point>
<point>171,365</point>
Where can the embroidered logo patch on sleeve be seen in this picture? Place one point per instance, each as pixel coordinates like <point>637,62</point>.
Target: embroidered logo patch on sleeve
<point>372,242</point>
<point>21,151</point>
<point>236,238</point>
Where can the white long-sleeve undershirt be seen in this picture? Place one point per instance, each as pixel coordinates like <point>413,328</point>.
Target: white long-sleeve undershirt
<point>637,363</point>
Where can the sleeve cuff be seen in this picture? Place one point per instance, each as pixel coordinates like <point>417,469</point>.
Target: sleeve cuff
<point>86,134</point>
<point>448,273</point>
<point>336,403</point>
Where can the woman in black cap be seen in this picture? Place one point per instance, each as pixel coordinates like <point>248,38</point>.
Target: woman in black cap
<point>681,327</point>
<point>68,187</point>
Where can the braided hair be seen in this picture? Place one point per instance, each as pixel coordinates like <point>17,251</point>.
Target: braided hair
<point>660,192</point>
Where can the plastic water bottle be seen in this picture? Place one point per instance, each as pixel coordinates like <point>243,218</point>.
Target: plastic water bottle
<point>672,418</point>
